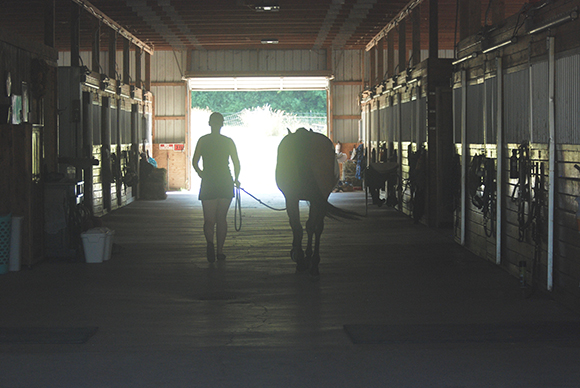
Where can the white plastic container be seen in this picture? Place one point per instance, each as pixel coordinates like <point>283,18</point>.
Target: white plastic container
<point>15,244</point>
<point>94,243</point>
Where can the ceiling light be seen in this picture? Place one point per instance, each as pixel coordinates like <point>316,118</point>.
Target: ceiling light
<point>269,41</point>
<point>267,8</point>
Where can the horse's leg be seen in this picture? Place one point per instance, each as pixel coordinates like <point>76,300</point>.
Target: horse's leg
<point>297,254</point>
<point>318,226</point>
<point>310,226</point>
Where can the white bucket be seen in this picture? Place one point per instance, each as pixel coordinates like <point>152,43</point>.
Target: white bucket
<point>15,244</point>
<point>94,244</point>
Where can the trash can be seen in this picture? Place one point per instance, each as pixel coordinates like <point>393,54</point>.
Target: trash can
<point>5,228</point>
<point>15,244</point>
<point>94,241</point>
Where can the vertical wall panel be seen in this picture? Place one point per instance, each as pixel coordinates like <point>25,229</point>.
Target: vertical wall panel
<point>540,104</point>
<point>516,107</point>
<point>567,100</point>
<point>407,114</point>
<point>491,109</point>
<point>475,114</point>
<point>457,115</point>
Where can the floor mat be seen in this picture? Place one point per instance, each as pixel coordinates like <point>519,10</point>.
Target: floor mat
<point>456,333</point>
<point>46,335</point>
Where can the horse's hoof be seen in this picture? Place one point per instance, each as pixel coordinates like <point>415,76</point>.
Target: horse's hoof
<point>296,255</point>
<point>314,274</point>
<point>301,267</point>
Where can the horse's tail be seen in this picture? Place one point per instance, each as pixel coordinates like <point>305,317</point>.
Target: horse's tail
<point>338,213</point>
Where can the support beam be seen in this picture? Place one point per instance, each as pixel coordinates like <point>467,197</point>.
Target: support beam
<point>416,17</point>
<point>391,53</point>
<point>469,18</point>
<point>104,19</point>
<point>95,62</point>
<point>394,22</point>
<point>126,62</point>
<point>402,45</point>
<point>112,71</point>
<point>138,68</point>
<point>433,29</point>
<point>49,24</point>
<point>75,34</point>
<point>380,61</point>
<point>147,85</point>
<point>373,64</point>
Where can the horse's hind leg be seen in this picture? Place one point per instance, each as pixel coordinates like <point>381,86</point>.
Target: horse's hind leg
<point>297,254</point>
<point>316,228</point>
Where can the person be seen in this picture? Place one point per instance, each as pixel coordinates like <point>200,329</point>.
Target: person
<point>217,185</point>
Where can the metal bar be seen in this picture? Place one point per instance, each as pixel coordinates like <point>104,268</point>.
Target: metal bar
<point>464,154</point>
<point>500,159</point>
<point>393,23</point>
<point>551,159</point>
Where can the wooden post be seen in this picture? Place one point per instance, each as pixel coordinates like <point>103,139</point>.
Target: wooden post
<point>391,53</point>
<point>126,70</point>
<point>75,33</point>
<point>402,45</point>
<point>373,54</point>
<point>112,54</point>
<point>380,61</point>
<point>469,18</point>
<point>138,67</point>
<point>49,27</point>
<point>96,66</point>
<point>434,29</point>
<point>416,17</point>
<point>147,85</point>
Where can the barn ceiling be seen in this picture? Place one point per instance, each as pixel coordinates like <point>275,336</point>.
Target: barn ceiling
<point>231,24</point>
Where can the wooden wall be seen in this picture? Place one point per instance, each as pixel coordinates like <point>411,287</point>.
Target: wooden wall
<point>526,66</point>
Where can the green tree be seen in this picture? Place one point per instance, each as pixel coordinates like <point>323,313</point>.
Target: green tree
<point>294,101</point>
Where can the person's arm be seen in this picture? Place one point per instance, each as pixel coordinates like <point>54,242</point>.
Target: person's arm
<point>236,162</point>
<point>195,159</point>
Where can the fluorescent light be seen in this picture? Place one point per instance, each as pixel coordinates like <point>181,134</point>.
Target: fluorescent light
<point>267,8</point>
<point>257,83</point>
<point>500,45</point>
<point>572,16</point>
<point>472,55</point>
<point>269,41</point>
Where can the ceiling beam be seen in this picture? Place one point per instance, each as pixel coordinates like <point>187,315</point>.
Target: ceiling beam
<point>87,6</point>
<point>393,23</point>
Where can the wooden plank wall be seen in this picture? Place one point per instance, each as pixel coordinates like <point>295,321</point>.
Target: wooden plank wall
<point>525,238</point>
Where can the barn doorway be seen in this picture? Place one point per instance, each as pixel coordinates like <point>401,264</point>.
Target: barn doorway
<point>257,113</point>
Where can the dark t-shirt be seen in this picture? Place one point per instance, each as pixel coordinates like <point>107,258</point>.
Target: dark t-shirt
<point>215,151</point>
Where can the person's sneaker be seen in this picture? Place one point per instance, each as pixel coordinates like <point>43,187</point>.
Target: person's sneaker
<point>221,257</point>
<point>210,253</point>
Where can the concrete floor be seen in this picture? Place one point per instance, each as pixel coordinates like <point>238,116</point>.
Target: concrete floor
<point>167,318</point>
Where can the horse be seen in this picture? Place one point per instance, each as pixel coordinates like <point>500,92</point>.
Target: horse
<point>307,169</point>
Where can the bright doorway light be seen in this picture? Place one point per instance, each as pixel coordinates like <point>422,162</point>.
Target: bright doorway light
<point>257,133</point>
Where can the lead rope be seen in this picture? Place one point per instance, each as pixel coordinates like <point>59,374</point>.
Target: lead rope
<point>238,207</point>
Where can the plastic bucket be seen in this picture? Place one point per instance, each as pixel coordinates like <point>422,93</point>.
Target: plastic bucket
<point>94,245</point>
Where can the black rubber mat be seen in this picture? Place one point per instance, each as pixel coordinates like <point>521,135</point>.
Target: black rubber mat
<point>458,333</point>
<point>46,335</point>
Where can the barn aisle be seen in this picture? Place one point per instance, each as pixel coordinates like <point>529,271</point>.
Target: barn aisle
<point>419,310</point>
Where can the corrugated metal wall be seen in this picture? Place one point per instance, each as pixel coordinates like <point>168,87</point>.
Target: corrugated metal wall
<point>516,107</point>
<point>170,94</point>
<point>539,96</point>
<point>568,99</point>
<point>258,60</point>
<point>346,66</point>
